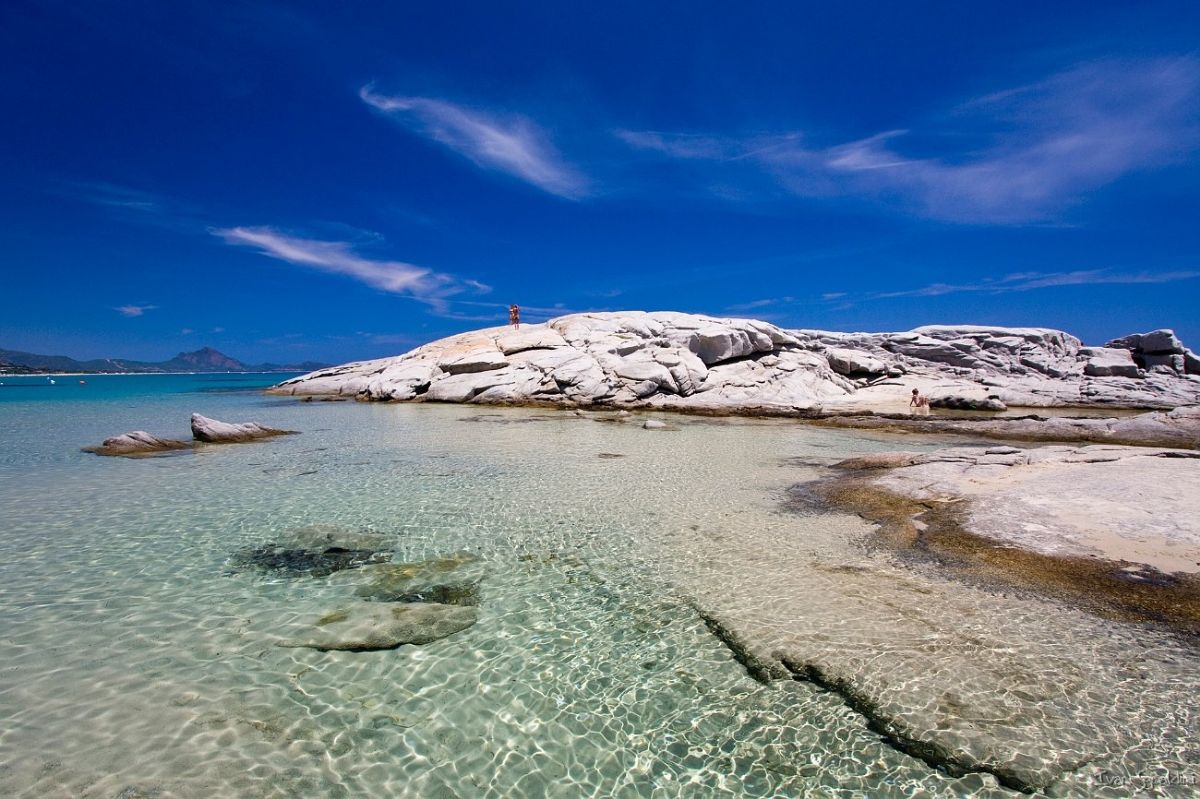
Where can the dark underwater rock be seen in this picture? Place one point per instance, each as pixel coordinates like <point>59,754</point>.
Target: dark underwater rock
<point>306,562</point>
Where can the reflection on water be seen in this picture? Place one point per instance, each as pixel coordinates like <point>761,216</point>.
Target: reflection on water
<point>140,661</point>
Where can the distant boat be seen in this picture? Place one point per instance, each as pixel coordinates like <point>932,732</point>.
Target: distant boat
<point>83,382</point>
<point>51,380</point>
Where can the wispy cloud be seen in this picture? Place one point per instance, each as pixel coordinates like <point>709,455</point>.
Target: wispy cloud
<point>134,310</point>
<point>339,257</point>
<point>511,144</point>
<point>757,304</point>
<point>133,205</point>
<point>1028,281</point>
<point>1017,156</point>
<point>114,196</point>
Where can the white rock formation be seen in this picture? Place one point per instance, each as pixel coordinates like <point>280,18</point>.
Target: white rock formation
<point>213,432</point>
<point>688,362</point>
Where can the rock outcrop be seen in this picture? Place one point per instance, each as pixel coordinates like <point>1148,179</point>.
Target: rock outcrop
<point>1134,504</point>
<point>1117,527</point>
<point>210,431</point>
<point>139,442</point>
<point>704,364</point>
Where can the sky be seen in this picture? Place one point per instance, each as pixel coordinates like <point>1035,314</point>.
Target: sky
<point>338,181</point>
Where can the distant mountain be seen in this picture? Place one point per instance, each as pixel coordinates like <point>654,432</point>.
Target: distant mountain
<point>202,360</point>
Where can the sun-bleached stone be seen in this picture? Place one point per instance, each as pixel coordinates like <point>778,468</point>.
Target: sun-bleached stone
<point>678,361</point>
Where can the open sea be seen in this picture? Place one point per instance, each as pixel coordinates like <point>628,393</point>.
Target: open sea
<point>139,659</point>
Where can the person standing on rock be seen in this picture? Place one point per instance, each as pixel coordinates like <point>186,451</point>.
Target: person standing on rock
<point>919,403</point>
<point>514,315</point>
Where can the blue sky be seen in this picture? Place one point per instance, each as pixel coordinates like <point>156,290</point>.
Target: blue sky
<point>340,181</point>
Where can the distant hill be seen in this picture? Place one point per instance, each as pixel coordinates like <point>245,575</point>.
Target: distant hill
<point>202,360</point>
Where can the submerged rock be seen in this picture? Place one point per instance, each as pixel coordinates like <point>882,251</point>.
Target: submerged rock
<point>311,562</point>
<point>212,431</point>
<point>316,551</point>
<point>139,442</point>
<point>321,536</point>
<point>366,626</point>
<point>450,580</point>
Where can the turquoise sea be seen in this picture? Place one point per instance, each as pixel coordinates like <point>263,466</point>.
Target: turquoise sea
<point>138,660</point>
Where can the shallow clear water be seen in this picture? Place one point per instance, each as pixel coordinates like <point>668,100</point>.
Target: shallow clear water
<point>138,662</point>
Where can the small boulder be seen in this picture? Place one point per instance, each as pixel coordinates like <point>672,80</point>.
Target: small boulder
<point>139,442</point>
<point>654,424</point>
<point>1161,342</point>
<point>367,626</point>
<point>211,431</point>
<point>852,362</point>
<point>1111,363</point>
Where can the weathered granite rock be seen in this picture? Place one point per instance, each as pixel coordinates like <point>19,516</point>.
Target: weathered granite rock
<point>211,431</point>
<point>366,626</point>
<point>139,442</point>
<point>703,364</point>
<point>850,362</point>
<point>1161,349</point>
<point>1110,363</point>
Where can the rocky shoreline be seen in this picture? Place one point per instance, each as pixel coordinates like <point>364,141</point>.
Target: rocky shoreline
<point>1112,528</point>
<point>700,364</point>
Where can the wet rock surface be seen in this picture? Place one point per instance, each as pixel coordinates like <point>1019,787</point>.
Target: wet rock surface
<point>367,626</point>
<point>1113,529</point>
<point>705,364</point>
<point>139,442</point>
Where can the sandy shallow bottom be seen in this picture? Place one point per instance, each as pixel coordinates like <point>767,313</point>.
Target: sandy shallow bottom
<point>139,662</point>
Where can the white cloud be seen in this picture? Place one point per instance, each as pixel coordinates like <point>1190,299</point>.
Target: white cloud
<point>1018,156</point>
<point>512,144</point>
<point>338,257</point>
<point>187,331</point>
<point>134,310</point>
